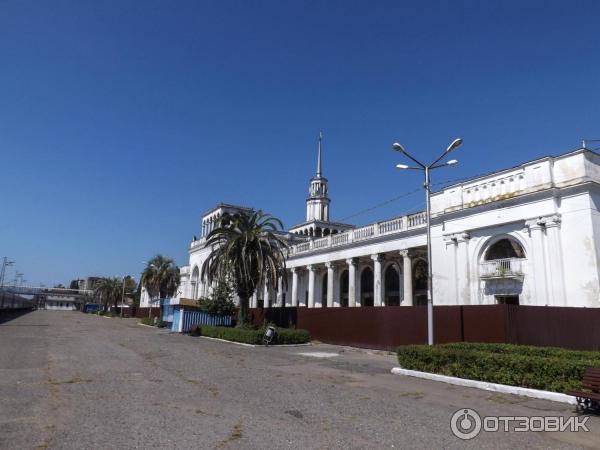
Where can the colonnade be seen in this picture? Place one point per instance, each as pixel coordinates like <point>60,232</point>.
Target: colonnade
<point>325,285</point>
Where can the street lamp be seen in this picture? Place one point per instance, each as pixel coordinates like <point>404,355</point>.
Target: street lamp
<point>427,185</point>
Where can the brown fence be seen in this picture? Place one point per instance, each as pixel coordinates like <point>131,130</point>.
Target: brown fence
<point>391,326</point>
<point>140,313</point>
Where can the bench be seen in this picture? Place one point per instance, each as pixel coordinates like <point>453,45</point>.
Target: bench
<point>590,397</point>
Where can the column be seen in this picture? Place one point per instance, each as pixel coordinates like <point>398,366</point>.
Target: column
<point>377,288</point>
<point>254,300</point>
<point>538,263</point>
<point>407,273</point>
<point>555,262</point>
<point>352,284</point>
<point>330,279</point>
<point>266,296</point>
<point>294,286</point>
<point>279,291</point>
<point>463,280</point>
<point>311,286</point>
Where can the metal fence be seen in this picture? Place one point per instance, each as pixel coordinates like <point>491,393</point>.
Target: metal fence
<point>391,326</point>
<point>193,318</point>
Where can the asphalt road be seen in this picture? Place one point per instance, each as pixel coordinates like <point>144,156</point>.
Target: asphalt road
<point>75,381</point>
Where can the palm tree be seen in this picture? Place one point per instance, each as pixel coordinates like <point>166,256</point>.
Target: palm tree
<point>109,290</point>
<point>160,278</point>
<point>246,252</point>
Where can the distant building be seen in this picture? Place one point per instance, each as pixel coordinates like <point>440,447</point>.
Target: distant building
<point>59,302</point>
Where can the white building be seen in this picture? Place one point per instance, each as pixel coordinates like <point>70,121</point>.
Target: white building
<point>528,235</point>
<point>60,302</point>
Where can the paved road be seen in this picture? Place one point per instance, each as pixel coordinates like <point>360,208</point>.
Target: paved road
<point>75,381</point>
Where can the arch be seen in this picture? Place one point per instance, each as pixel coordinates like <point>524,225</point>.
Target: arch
<point>366,287</point>
<point>334,232</point>
<point>502,248</point>
<point>324,291</point>
<point>420,272</point>
<point>326,232</point>
<point>344,287</point>
<point>310,232</point>
<point>195,280</point>
<point>392,292</point>
<point>318,232</point>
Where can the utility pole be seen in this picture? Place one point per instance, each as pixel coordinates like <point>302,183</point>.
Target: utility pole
<point>5,263</point>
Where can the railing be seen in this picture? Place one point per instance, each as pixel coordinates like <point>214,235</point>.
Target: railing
<point>414,220</point>
<point>502,268</point>
<point>198,242</point>
<point>372,231</point>
<point>390,226</point>
<point>360,234</point>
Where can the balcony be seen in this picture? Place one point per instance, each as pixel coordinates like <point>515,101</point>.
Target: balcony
<point>368,232</point>
<point>502,268</point>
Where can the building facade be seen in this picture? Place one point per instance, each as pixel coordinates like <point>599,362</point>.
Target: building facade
<point>528,235</point>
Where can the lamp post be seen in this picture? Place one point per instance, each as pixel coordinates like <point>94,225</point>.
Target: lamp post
<point>426,169</point>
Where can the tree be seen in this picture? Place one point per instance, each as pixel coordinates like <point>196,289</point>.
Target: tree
<point>160,278</point>
<point>246,253</point>
<point>109,290</point>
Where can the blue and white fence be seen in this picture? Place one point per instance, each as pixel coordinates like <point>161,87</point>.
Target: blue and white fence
<point>191,318</point>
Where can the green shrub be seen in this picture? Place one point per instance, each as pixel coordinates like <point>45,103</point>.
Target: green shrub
<point>148,321</point>
<point>546,368</point>
<point>252,336</point>
<point>161,324</point>
<point>244,335</point>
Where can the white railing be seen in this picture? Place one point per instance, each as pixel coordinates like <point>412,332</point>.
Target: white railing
<point>414,220</point>
<point>372,231</point>
<point>389,226</point>
<point>502,268</point>
<point>339,239</point>
<point>321,243</point>
<point>198,243</point>
<point>360,234</point>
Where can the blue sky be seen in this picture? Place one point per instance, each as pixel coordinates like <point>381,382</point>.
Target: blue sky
<point>121,122</point>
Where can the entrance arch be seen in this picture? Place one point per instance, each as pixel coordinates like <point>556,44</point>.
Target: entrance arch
<point>344,287</point>
<point>366,287</point>
<point>392,286</point>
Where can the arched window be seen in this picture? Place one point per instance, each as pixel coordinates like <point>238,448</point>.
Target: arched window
<point>504,249</point>
<point>366,287</point>
<point>195,279</point>
<point>318,232</point>
<point>392,286</point>
<point>344,288</point>
<point>420,282</point>
<point>324,291</point>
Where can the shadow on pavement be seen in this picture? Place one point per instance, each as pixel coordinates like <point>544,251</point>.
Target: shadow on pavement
<point>8,315</point>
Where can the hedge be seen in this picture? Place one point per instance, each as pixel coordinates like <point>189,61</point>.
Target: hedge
<point>252,336</point>
<point>546,368</point>
<point>150,321</point>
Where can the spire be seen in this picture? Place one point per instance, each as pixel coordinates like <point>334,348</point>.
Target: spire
<point>319,154</point>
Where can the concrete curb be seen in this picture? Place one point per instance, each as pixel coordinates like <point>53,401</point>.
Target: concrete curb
<point>253,345</point>
<point>503,388</point>
<point>229,342</point>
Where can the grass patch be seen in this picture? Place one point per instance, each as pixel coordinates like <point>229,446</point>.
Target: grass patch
<point>546,368</point>
<point>283,336</point>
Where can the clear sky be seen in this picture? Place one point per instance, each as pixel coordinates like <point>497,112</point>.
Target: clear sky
<point>122,121</point>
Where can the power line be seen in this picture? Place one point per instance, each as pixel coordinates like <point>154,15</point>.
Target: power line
<point>406,194</point>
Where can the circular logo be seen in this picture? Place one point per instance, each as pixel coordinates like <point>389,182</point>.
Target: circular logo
<point>465,424</point>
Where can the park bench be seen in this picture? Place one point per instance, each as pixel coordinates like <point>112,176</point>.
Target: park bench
<point>590,397</point>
